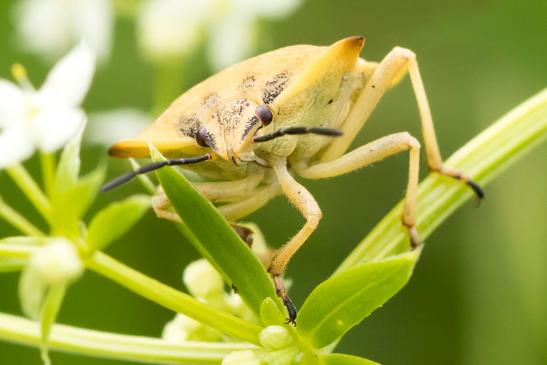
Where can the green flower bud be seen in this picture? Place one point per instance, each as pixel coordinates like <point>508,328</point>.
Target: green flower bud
<point>246,357</point>
<point>202,279</point>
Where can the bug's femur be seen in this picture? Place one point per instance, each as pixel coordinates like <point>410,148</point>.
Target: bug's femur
<point>264,113</point>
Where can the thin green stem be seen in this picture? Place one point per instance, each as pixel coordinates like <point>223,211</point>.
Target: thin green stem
<point>16,251</point>
<point>173,299</point>
<point>48,171</point>
<point>114,346</point>
<point>17,220</point>
<point>483,158</point>
<point>34,194</point>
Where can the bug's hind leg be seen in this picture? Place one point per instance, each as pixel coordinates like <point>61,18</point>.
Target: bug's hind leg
<point>387,73</point>
<point>372,152</point>
<point>306,204</point>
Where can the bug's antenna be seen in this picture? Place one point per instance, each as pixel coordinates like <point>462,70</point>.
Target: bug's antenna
<point>151,167</point>
<point>298,130</point>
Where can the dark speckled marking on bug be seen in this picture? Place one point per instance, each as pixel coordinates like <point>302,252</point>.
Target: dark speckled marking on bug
<point>274,87</point>
<point>188,125</point>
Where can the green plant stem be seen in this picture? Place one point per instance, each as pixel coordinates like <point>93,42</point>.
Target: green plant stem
<point>173,299</point>
<point>483,158</point>
<point>17,220</point>
<point>114,346</point>
<point>16,251</point>
<point>48,171</point>
<point>34,194</point>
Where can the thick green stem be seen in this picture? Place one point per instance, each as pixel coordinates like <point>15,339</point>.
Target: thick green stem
<point>34,194</point>
<point>482,159</point>
<point>114,346</point>
<point>173,299</point>
<point>17,220</point>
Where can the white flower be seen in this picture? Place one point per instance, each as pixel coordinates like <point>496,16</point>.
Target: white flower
<point>44,119</point>
<point>105,128</point>
<point>202,279</point>
<point>172,28</point>
<point>57,262</point>
<point>50,27</point>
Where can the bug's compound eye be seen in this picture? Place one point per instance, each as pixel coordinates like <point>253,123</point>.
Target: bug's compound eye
<point>202,137</point>
<point>264,113</point>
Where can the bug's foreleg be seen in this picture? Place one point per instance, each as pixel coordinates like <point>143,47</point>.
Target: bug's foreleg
<point>387,73</point>
<point>306,204</point>
<point>372,152</point>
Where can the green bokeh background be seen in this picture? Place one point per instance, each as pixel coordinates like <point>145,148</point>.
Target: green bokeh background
<point>479,293</point>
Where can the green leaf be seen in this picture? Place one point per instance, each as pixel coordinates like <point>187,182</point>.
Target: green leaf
<point>342,359</point>
<point>345,299</point>
<point>216,239</point>
<point>32,290</point>
<point>72,201</point>
<point>50,309</point>
<point>69,164</point>
<point>115,220</point>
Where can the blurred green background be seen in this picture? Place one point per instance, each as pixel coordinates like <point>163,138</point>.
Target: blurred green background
<point>479,294</point>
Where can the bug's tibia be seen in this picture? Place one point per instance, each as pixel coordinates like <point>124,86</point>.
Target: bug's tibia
<point>331,132</point>
<point>151,167</point>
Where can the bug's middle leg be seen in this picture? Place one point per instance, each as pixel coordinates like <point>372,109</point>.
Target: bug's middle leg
<point>306,204</point>
<point>372,152</point>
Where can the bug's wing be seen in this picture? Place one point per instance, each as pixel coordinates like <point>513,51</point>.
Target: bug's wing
<point>322,76</point>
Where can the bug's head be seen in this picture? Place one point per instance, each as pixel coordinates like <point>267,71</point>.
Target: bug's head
<point>231,128</point>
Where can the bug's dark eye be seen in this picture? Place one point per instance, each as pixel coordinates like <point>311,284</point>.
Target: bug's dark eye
<point>201,137</point>
<point>264,114</point>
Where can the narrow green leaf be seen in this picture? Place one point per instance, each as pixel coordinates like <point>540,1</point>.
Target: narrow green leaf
<point>71,203</point>
<point>50,309</point>
<point>115,220</point>
<point>345,299</point>
<point>223,247</point>
<point>68,168</point>
<point>32,290</point>
<point>342,359</point>
<point>11,264</point>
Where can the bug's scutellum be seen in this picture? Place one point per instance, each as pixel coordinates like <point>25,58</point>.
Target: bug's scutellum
<point>243,127</point>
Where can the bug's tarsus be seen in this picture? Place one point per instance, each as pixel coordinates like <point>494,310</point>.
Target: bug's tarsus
<point>330,132</point>
<point>151,167</point>
<point>291,309</point>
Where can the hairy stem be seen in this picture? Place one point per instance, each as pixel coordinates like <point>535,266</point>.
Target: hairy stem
<point>115,346</point>
<point>483,158</point>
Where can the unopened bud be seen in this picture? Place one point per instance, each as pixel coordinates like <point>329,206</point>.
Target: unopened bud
<point>275,337</point>
<point>57,262</point>
<point>246,357</point>
<point>202,279</point>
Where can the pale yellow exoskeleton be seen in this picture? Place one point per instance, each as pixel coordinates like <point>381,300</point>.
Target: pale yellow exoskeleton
<point>253,126</point>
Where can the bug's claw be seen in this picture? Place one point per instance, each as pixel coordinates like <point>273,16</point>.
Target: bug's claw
<point>479,192</point>
<point>282,293</point>
<point>291,309</point>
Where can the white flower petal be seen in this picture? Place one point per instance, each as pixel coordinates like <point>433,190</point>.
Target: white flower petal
<point>12,104</point>
<point>231,40</point>
<point>43,26</point>
<point>170,28</point>
<point>93,21</point>
<point>269,9</point>
<point>106,128</point>
<point>15,146</point>
<point>53,127</point>
<point>71,76</point>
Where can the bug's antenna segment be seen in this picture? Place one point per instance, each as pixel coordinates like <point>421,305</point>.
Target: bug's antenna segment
<point>151,167</point>
<point>330,132</point>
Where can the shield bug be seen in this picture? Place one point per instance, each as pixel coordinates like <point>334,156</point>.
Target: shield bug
<point>253,126</point>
